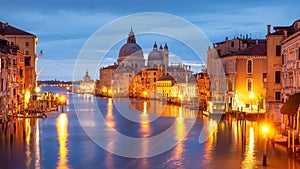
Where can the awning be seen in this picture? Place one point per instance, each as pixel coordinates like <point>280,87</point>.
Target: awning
<point>291,106</point>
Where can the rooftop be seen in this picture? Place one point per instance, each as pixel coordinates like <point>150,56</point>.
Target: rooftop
<point>6,29</point>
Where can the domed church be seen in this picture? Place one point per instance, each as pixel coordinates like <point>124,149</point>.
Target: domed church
<point>158,57</point>
<point>131,54</point>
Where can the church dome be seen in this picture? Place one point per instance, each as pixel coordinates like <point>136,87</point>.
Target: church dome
<point>155,55</point>
<point>131,47</point>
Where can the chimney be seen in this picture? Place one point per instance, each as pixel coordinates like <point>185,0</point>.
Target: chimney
<point>285,33</point>
<point>269,29</point>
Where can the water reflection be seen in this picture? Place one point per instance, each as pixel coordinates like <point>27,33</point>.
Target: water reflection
<point>29,143</point>
<point>32,145</point>
<point>250,157</point>
<point>62,131</point>
<point>178,154</point>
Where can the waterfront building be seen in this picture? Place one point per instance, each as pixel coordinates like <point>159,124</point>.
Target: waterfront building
<point>131,54</point>
<point>272,79</point>
<point>290,48</point>
<point>203,84</point>
<point>106,77</point>
<point>87,85</point>
<point>281,79</point>
<point>11,79</point>
<point>236,69</point>
<point>158,58</point>
<point>27,45</point>
<point>166,88</point>
<point>290,52</point>
<point>131,77</point>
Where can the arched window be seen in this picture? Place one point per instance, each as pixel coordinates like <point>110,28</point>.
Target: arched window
<point>249,66</point>
<point>249,85</point>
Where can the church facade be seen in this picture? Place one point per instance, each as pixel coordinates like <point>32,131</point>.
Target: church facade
<point>132,77</point>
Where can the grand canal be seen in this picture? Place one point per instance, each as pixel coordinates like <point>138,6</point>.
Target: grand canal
<point>59,141</point>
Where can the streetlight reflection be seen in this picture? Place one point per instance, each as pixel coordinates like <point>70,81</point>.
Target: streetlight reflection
<point>62,131</point>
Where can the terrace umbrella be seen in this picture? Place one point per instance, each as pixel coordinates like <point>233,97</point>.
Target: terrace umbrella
<point>291,106</point>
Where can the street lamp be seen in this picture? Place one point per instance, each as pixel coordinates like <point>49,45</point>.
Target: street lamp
<point>265,130</point>
<point>251,97</point>
<point>62,100</point>
<point>109,93</point>
<point>145,93</point>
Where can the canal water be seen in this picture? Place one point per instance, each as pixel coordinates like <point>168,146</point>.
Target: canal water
<point>65,140</point>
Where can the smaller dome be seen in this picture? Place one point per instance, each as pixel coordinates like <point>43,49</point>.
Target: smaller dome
<point>155,55</point>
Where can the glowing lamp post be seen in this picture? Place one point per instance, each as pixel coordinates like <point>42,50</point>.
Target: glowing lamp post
<point>109,93</point>
<point>145,93</point>
<point>62,101</point>
<point>265,130</point>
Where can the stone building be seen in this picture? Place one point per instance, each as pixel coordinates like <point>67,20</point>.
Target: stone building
<point>27,45</point>
<point>131,77</point>
<point>11,79</point>
<point>87,85</point>
<point>235,68</point>
<point>131,54</point>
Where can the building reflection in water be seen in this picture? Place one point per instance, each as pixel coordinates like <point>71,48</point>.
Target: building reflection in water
<point>32,146</point>
<point>250,155</point>
<point>110,122</point>
<point>27,142</point>
<point>178,154</point>
<point>145,131</point>
<point>109,119</point>
<point>62,132</point>
<point>210,143</point>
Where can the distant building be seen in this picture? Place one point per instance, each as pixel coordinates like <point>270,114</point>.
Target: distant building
<point>87,85</point>
<point>236,69</point>
<point>159,58</point>
<point>166,87</point>
<point>203,83</point>
<point>106,78</point>
<point>130,76</point>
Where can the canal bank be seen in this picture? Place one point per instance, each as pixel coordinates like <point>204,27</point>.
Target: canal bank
<point>60,141</point>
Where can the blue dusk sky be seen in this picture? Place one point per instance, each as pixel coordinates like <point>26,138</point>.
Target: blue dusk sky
<point>63,27</point>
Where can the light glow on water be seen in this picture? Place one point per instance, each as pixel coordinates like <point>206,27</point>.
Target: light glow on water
<point>62,132</point>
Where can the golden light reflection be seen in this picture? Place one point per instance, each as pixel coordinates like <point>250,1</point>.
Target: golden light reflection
<point>110,121</point>
<point>145,108</point>
<point>62,131</point>
<point>211,140</point>
<point>178,154</point>
<point>145,131</point>
<point>27,142</point>
<point>180,114</point>
<point>250,161</point>
<point>27,131</point>
<point>37,145</point>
